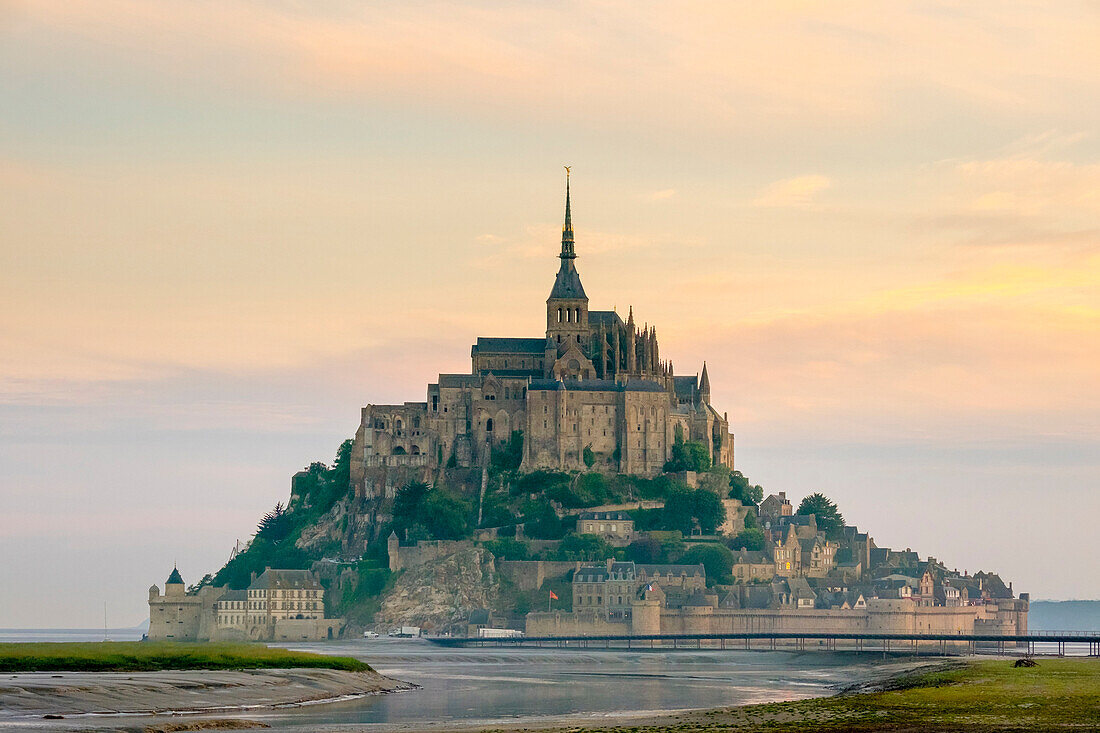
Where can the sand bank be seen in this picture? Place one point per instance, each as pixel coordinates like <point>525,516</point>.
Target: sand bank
<point>81,693</point>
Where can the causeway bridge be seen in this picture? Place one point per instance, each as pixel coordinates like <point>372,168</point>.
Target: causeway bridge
<point>803,641</point>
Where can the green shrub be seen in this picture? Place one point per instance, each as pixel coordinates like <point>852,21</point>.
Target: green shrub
<point>748,539</point>
<point>508,549</point>
<point>583,547</point>
<point>717,560</point>
<point>541,522</point>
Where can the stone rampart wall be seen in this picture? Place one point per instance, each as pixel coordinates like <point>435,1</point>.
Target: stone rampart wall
<point>581,623</point>
<point>530,574</point>
<point>426,551</point>
<point>885,616</point>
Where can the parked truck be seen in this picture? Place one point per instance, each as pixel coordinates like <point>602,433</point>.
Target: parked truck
<point>406,632</point>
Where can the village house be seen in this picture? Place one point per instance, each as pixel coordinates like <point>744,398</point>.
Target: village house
<point>616,527</point>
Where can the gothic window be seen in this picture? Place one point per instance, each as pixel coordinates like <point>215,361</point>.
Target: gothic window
<point>559,315</point>
<point>489,425</point>
<point>416,422</point>
<point>577,318</point>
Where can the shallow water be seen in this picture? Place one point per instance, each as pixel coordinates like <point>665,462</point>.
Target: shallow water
<point>469,686</point>
<point>515,686</point>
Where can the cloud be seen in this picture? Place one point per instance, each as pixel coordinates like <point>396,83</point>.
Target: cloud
<point>695,66</point>
<point>798,192</point>
<point>662,195</point>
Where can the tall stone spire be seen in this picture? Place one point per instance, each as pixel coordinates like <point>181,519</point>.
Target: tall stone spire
<point>567,251</point>
<point>704,384</point>
<point>567,284</point>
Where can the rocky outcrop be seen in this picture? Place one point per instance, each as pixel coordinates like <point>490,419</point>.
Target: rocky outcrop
<point>439,595</point>
<point>329,528</point>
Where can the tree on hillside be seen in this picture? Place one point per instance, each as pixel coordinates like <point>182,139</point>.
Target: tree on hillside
<point>408,503</point>
<point>645,551</point>
<point>829,518</point>
<point>741,488</point>
<point>275,524</point>
<point>688,456</point>
<point>584,547</point>
<point>717,560</point>
<point>541,522</point>
<point>748,539</point>
<point>687,508</point>
<point>446,515</point>
<point>508,456</point>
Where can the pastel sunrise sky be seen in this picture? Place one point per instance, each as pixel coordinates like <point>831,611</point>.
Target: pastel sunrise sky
<point>226,225</point>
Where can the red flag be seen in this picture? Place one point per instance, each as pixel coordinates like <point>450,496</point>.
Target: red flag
<point>553,596</point>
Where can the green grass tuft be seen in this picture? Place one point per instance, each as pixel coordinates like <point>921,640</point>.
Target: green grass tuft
<point>144,656</point>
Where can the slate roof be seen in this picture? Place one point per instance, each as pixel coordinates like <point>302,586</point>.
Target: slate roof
<point>234,595</point>
<point>686,388</point>
<point>751,557</point>
<point>698,598</point>
<point>673,569</point>
<point>567,283</point>
<point>458,380</point>
<point>604,318</point>
<point>600,573</point>
<point>489,345</point>
<point>285,579</point>
<point>511,373</point>
<point>175,577</point>
<point>643,385</point>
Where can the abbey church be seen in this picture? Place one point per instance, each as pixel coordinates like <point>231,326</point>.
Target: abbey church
<point>593,387</point>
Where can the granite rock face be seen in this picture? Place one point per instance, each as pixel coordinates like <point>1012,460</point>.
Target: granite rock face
<point>439,595</point>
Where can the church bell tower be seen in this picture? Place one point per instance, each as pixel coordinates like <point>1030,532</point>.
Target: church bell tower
<point>567,306</point>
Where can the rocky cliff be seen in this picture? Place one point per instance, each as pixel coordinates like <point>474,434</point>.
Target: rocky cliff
<point>438,596</point>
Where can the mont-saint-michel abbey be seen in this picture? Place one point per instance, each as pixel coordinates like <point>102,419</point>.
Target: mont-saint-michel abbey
<point>616,487</point>
<point>593,382</point>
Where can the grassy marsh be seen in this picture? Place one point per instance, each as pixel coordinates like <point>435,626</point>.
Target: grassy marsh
<point>987,696</point>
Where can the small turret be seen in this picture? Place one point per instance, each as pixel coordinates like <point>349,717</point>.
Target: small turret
<point>704,385</point>
<point>174,585</point>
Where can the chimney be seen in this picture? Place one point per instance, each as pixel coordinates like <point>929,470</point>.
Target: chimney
<point>252,578</point>
<point>609,561</point>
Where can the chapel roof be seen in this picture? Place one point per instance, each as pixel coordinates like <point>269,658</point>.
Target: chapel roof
<point>495,345</point>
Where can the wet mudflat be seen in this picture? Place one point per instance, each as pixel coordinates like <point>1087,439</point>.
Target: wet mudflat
<point>520,687</point>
